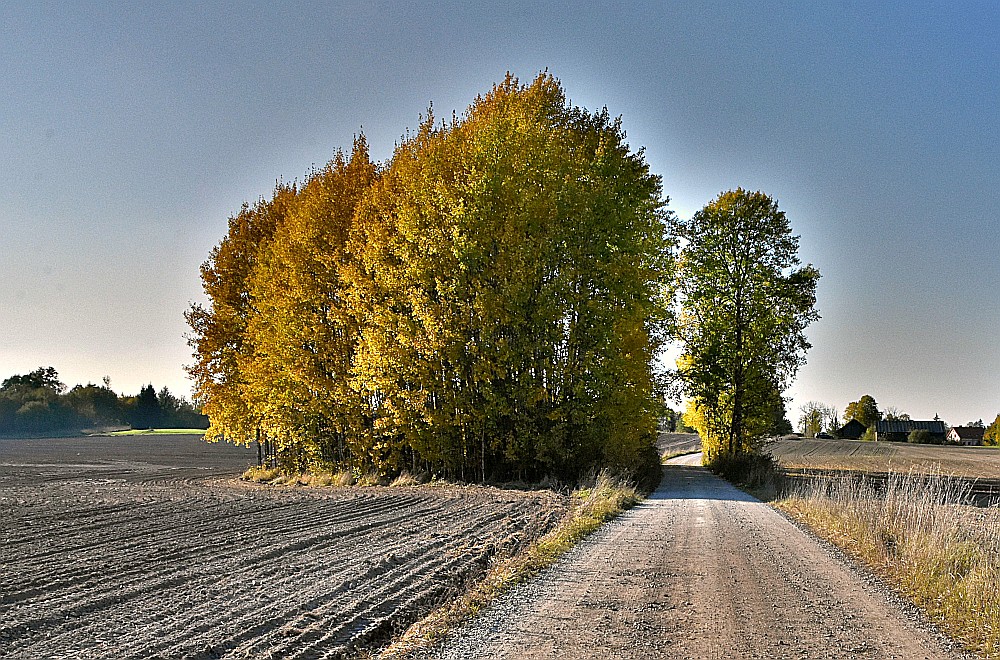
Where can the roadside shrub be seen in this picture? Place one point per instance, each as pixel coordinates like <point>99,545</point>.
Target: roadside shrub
<point>342,479</point>
<point>649,470</point>
<point>260,474</point>
<point>757,472</point>
<point>369,478</point>
<point>404,479</point>
<point>322,479</point>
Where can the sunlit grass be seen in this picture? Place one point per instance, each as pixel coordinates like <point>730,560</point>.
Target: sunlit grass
<point>921,534</point>
<point>160,432</point>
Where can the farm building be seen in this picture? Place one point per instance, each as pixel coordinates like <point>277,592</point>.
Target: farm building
<point>852,430</point>
<point>967,435</point>
<point>897,430</point>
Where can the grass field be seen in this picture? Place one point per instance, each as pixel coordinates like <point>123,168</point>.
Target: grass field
<point>924,536</point>
<point>907,512</point>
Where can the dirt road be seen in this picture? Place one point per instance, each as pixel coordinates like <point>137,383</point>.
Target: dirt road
<point>700,570</point>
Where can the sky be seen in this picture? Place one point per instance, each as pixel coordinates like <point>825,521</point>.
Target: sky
<point>131,132</point>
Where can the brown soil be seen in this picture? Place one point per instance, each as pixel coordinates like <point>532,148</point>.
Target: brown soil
<point>700,570</point>
<point>971,462</point>
<point>147,547</point>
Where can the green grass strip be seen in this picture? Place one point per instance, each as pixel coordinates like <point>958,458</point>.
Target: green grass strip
<point>159,432</point>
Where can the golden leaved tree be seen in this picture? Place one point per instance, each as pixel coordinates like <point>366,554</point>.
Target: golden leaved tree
<point>305,328</point>
<point>219,334</point>
<point>487,304</point>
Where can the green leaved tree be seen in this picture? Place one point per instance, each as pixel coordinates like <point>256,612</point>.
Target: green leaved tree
<point>744,303</point>
<point>992,434</point>
<point>865,410</point>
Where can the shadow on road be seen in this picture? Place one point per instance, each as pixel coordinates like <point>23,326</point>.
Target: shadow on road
<point>689,482</point>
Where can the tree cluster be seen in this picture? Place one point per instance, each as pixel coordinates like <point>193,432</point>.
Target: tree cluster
<point>817,417</point>
<point>38,403</point>
<point>485,305</point>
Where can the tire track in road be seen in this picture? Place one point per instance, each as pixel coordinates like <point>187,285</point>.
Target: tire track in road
<point>699,570</point>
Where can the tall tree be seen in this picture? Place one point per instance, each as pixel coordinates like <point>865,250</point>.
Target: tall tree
<point>147,413</point>
<point>96,404</point>
<point>40,378</point>
<point>816,418</point>
<point>892,413</point>
<point>865,410</point>
<point>305,329</point>
<point>34,403</point>
<point>222,346</point>
<point>744,304</point>
<point>992,434</point>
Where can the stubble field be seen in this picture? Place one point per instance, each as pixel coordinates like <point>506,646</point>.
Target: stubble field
<point>968,462</point>
<point>149,548</point>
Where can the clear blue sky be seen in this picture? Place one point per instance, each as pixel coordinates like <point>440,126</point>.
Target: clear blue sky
<point>131,131</point>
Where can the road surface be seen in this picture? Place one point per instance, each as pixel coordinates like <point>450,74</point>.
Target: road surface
<point>700,570</point>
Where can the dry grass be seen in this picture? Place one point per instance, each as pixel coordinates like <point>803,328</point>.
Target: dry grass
<point>275,477</point>
<point>605,498</point>
<point>918,532</point>
<point>261,475</point>
<point>405,480</point>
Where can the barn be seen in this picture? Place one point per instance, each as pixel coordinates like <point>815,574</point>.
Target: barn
<point>897,430</point>
<point>852,430</point>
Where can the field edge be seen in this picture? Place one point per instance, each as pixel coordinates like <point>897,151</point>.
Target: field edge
<point>592,508</point>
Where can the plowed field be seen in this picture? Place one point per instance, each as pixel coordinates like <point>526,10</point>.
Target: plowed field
<point>969,462</point>
<point>148,548</point>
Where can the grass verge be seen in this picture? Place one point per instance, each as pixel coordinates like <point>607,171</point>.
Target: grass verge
<point>592,506</point>
<point>159,432</point>
<point>920,534</point>
<point>323,478</point>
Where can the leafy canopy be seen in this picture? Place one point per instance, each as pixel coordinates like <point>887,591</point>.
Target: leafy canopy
<point>743,304</point>
<point>865,410</point>
<point>487,303</point>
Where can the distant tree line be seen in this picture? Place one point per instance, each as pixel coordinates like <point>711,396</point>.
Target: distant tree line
<point>38,403</point>
<point>818,418</point>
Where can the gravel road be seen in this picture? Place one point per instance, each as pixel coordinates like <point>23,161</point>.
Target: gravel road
<point>700,570</point>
